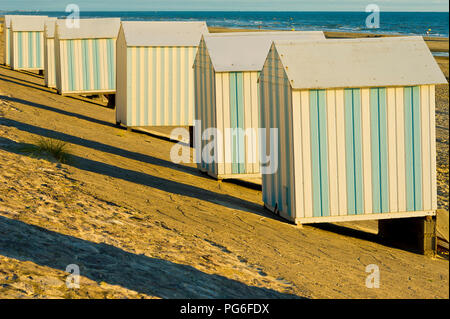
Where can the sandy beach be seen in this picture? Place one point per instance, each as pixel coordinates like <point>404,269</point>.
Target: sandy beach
<point>140,226</point>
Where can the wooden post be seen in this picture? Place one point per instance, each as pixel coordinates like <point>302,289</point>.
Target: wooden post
<point>418,233</point>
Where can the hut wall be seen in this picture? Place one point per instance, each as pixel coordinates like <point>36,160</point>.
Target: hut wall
<point>27,50</point>
<point>49,62</point>
<point>86,66</point>
<point>205,101</point>
<point>160,86</point>
<point>364,151</point>
<point>7,47</point>
<point>277,112</point>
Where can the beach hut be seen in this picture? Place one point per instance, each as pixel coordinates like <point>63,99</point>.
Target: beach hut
<point>356,122</point>
<point>155,79</point>
<point>7,38</point>
<point>27,42</point>
<point>86,56</point>
<point>49,53</point>
<point>227,67</point>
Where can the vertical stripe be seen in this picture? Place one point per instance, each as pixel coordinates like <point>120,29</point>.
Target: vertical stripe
<point>392,149</point>
<point>413,149</point>
<point>380,190</point>
<point>20,50</point>
<point>353,151</point>
<point>319,153</point>
<point>332,151</point>
<point>129,86</point>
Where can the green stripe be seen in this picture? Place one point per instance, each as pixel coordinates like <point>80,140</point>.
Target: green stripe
<point>417,150</point>
<point>378,121</point>
<point>319,153</point>
<point>70,72</point>
<point>111,65</point>
<point>233,121</point>
<point>30,50</point>
<point>353,151</point>
<point>413,164</point>
<point>86,77</point>
<point>39,50</point>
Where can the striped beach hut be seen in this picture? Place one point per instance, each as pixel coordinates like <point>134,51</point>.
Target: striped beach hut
<point>155,79</point>
<point>49,53</point>
<point>7,38</point>
<point>86,56</point>
<point>356,123</point>
<point>226,69</point>
<point>27,42</point>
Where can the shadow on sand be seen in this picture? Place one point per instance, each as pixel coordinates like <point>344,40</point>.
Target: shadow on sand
<point>106,263</point>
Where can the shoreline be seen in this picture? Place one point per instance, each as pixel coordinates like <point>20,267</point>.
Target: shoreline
<point>435,44</point>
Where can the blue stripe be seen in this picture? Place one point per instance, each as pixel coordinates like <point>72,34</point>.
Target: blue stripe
<point>111,65</point>
<point>240,121</point>
<point>70,67</point>
<point>86,75</point>
<point>353,151</point>
<point>319,153</point>
<point>30,50</point>
<point>413,163</point>
<point>39,50</point>
<point>380,182</point>
<point>418,204</point>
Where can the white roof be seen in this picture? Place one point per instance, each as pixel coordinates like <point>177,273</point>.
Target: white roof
<point>247,51</point>
<point>50,27</point>
<point>27,23</point>
<point>390,61</point>
<point>8,18</point>
<point>89,29</point>
<point>163,33</point>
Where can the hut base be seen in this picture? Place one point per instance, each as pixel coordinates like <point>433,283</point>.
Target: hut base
<point>349,218</point>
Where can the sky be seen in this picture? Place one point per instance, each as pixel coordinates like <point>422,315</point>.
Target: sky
<point>226,5</point>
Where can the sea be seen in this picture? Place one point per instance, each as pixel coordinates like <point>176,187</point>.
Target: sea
<point>401,23</point>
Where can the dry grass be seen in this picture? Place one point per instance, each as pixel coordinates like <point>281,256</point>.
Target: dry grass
<point>50,147</point>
